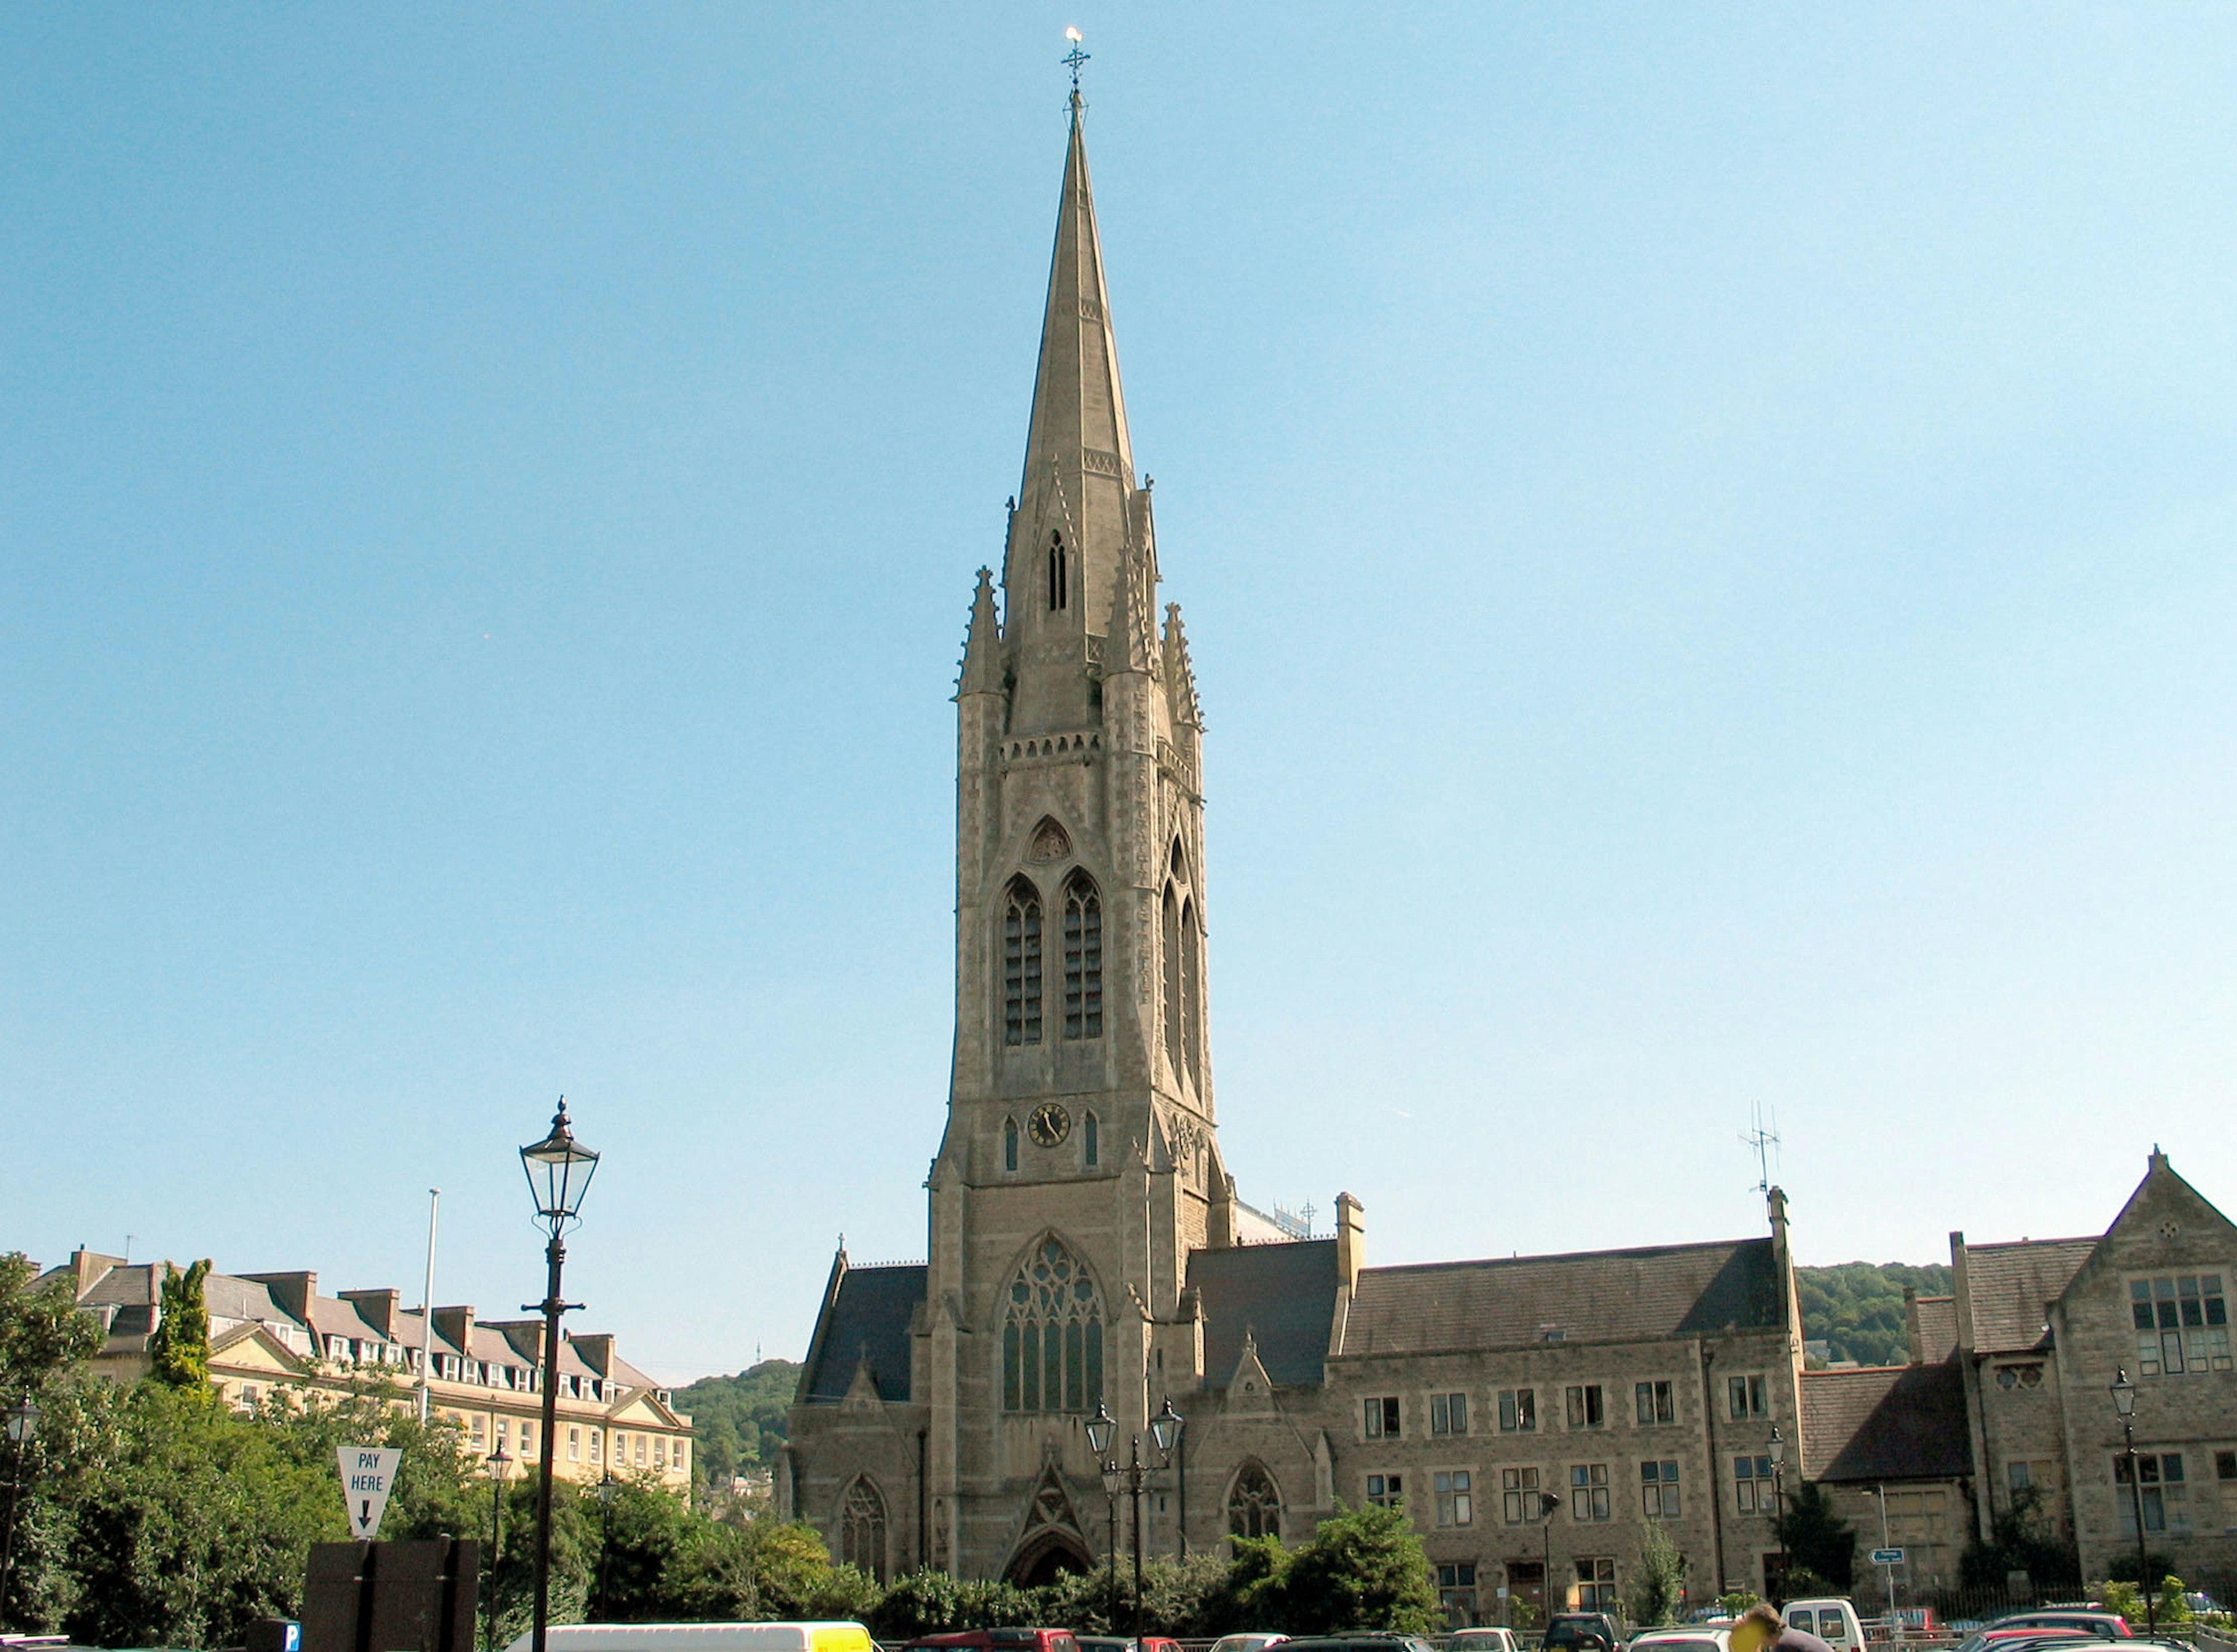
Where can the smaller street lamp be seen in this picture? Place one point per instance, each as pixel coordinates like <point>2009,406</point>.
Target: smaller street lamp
<point>2124,1407</point>
<point>22,1429</point>
<point>1167,1429</point>
<point>1777,1448</point>
<point>1548,1506</point>
<point>607,1486</point>
<point>496,1461</point>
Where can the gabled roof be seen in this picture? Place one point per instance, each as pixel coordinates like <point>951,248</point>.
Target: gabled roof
<point>1597,1296</point>
<point>1885,1423</point>
<point>868,1317</point>
<point>2009,1287</point>
<point>1284,1295</point>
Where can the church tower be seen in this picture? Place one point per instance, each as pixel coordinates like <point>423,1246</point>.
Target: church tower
<point>1080,1147</point>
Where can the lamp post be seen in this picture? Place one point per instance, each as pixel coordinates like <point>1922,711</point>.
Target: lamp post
<point>497,1462</point>
<point>607,1486</point>
<point>1548,1506</point>
<point>1179,1427</point>
<point>1166,1433</point>
<point>1880,1491</point>
<point>559,1169</point>
<point>2124,1407</point>
<point>22,1429</point>
<point>1778,1502</point>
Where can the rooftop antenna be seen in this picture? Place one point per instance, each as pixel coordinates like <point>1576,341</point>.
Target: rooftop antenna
<point>1765,1142</point>
<point>1073,60</point>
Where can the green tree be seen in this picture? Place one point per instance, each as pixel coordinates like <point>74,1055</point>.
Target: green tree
<point>1816,1540</point>
<point>1857,1309</point>
<point>178,1352</point>
<point>739,1421</point>
<point>1660,1588</point>
<point>1365,1569</point>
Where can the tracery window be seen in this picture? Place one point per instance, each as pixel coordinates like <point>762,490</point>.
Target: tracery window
<point>1021,965</point>
<point>1254,1507</point>
<point>862,1529</point>
<point>1052,1335</point>
<point>1057,581</point>
<point>1083,960</point>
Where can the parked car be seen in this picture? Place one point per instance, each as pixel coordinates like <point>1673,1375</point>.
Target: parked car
<point>829,1636</point>
<point>1239,1642</point>
<point>1581,1630</point>
<point>2110,1626</point>
<point>1491,1639</point>
<point>1696,1637</point>
<point>1831,1619</point>
<point>1366,1642</point>
<point>997,1641</point>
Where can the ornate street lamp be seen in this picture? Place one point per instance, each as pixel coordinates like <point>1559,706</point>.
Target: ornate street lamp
<point>2124,1407</point>
<point>559,1169</point>
<point>496,1461</point>
<point>1170,1430</point>
<point>1548,1506</point>
<point>607,1486</point>
<point>22,1429</point>
<point>1778,1499</point>
<point>1099,1429</point>
<point>1165,1431</point>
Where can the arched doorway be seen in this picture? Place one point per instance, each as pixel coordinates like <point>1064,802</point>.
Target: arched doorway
<point>1047,1557</point>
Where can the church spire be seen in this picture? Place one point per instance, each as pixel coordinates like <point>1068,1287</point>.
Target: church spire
<point>1076,495</point>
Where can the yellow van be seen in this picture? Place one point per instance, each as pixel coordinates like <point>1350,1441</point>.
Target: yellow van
<point>703,1637</point>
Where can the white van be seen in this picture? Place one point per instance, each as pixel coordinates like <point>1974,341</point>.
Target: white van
<point>1833,1622</point>
<point>703,1637</point>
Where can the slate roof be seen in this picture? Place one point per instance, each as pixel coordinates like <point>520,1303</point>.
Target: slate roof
<point>2008,1286</point>
<point>1600,1296</point>
<point>870,1314</point>
<point>1885,1423</point>
<point>1282,1295</point>
<point>1937,1328</point>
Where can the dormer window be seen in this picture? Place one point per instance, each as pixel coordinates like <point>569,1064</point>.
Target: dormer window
<point>1058,575</point>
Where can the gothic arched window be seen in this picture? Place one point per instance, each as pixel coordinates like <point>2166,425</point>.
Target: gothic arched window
<point>1083,959</point>
<point>1009,1143</point>
<point>1090,1130</point>
<point>1021,965</point>
<point>1057,593</point>
<point>1171,911</point>
<point>863,1528</point>
<point>1191,996</point>
<point>1254,1506</point>
<point>1052,1335</point>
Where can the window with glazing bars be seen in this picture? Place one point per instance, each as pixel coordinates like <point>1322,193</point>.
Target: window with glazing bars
<point>1021,967</point>
<point>2181,1323</point>
<point>1082,961</point>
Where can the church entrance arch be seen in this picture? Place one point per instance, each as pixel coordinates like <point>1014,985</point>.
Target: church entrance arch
<point>1046,1557</point>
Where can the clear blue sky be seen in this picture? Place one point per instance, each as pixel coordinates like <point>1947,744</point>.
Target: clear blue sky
<point>1707,536</point>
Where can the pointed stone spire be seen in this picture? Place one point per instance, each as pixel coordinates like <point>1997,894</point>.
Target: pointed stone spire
<point>982,643</point>
<point>1077,487</point>
<point>1187,708</point>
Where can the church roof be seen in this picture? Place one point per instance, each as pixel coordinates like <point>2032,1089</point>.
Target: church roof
<point>1596,1296</point>
<point>1282,1295</point>
<point>867,1317</point>
<point>1885,1423</point>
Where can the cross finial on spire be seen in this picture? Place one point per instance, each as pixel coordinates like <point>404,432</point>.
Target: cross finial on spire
<point>1073,60</point>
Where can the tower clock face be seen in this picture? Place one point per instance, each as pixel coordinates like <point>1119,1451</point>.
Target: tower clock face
<point>1050,1124</point>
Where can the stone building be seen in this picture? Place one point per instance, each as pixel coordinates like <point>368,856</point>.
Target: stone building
<point>1087,1245</point>
<point>270,1332</point>
<point>2045,1327</point>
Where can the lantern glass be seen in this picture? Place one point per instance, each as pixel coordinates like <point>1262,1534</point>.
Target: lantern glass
<point>1777,1448</point>
<point>559,1169</point>
<point>1166,1429</point>
<point>1099,1431</point>
<point>23,1421</point>
<point>2124,1396</point>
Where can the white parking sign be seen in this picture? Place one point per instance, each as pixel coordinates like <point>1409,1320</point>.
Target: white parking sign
<point>368,1472</point>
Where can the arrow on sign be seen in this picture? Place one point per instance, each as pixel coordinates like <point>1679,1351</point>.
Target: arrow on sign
<point>1887,1557</point>
<point>368,1474</point>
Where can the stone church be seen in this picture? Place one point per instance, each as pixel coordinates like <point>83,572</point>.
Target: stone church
<point>1087,1246</point>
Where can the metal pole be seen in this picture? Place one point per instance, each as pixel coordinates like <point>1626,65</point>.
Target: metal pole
<point>1547,1503</point>
<point>8,1542</point>
<point>1134,1480</point>
<point>554,1254</point>
<point>427,1304</point>
<point>1885,1543</point>
<point>1180,1467</point>
<point>2143,1561</point>
<point>497,1548</point>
